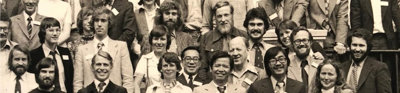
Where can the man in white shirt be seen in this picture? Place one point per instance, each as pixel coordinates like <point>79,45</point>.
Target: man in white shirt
<point>5,44</point>
<point>46,76</point>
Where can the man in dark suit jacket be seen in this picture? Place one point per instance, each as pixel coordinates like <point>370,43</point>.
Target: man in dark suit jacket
<point>276,63</point>
<point>101,67</point>
<point>362,15</point>
<point>365,74</point>
<point>48,36</point>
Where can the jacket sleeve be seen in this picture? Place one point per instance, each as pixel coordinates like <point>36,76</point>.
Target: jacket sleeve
<point>383,79</point>
<point>126,68</point>
<point>130,25</point>
<point>299,10</point>
<point>207,15</point>
<point>355,14</point>
<point>342,19</point>
<point>78,70</point>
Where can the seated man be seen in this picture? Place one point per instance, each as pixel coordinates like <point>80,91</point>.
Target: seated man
<point>101,67</point>
<point>46,76</point>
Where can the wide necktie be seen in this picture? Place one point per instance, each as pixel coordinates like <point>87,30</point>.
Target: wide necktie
<point>29,26</point>
<point>57,82</point>
<point>101,86</point>
<point>258,60</point>
<point>353,78</point>
<point>191,81</point>
<point>304,74</point>
<point>280,87</point>
<point>221,89</point>
<point>17,84</point>
<point>100,45</point>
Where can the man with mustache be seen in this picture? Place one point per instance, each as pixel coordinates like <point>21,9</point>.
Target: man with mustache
<point>16,79</point>
<point>243,73</point>
<point>191,65</point>
<point>50,30</point>
<point>220,37</point>
<point>257,24</point>
<point>101,66</point>
<point>365,74</point>
<point>46,76</point>
<point>122,74</point>
<point>5,44</point>
<point>304,60</point>
<point>221,68</point>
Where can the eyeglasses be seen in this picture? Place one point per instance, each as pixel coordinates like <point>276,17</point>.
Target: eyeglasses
<point>194,59</point>
<point>4,29</point>
<point>30,4</point>
<point>172,13</point>
<point>305,41</point>
<point>281,59</point>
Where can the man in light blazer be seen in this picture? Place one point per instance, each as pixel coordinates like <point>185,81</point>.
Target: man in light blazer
<point>122,74</point>
<point>279,10</point>
<point>19,28</point>
<point>221,68</point>
<point>363,73</point>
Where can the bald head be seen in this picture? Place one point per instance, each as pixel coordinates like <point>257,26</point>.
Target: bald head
<point>238,50</point>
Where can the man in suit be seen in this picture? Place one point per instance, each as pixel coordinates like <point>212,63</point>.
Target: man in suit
<point>25,26</point>
<point>330,15</point>
<point>221,67</point>
<point>48,35</point>
<point>122,74</point>
<point>377,16</point>
<point>279,10</point>
<point>101,66</point>
<point>304,59</point>
<point>365,74</point>
<point>46,76</point>
<point>191,64</point>
<point>276,62</point>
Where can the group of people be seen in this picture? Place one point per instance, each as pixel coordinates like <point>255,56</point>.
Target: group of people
<point>195,46</point>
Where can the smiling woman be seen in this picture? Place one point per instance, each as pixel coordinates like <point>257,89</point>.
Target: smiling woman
<point>329,79</point>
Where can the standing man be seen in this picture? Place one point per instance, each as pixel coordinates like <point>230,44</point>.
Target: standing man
<point>5,44</point>
<point>50,30</point>
<point>16,80</point>
<point>279,10</point>
<point>277,62</point>
<point>224,32</point>
<point>101,66</point>
<point>304,61</point>
<point>257,24</point>
<point>377,16</point>
<point>46,76</point>
<point>191,64</point>
<point>122,74</point>
<point>221,67</point>
<point>243,73</point>
<point>25,26</point>
<point>363,73</point>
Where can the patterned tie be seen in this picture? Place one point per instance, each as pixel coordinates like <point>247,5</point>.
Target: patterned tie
<point>221,89</point>
<point>100,45</point>
<point>304,74</point>
<point>29,26</point>
<point>258,60</point>
<point>53,54</point>
<point>191,81</point>
<point>101,86</point>
<point>280,87</point>
<point>353,78</point>
<point>18,84</point>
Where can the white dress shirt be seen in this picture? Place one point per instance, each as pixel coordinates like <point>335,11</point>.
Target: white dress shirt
<point>97,82</point>
<point>104,41</point>
<point>274,81</point>
<point>8,82</point>
<point>331,90</point>
<point>148,64</point>
<point>4,54</point>
<point>377,14</point>
<point>60,66</point>
<point>226,87</point>
<point>26,16</point>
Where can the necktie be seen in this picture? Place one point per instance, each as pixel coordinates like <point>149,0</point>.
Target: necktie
<point>17,84</point>
<point>258,60</point>
<point>304,74</point>
<point>29,26</point>
<point>173,46</point>
<point>226,38</point>
<point>191,81</point>
<point>56,82</point>
<point>221,89</point>
<point>100,45</point>
<point>280,87</point>
<point>101,86</point>
<point>353,78</point>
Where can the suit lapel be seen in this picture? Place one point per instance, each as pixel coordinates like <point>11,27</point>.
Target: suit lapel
<point>92,88</point>
<point>210,88</point>
<point>22,24</point>
<point>110,88</point>
<point>182,79</point>
<point>112,48</point>
<point>143,23</point>
<point>321,4</point>
<point>332,5</point>
<point>364,72</point>
<point>35,27</point>
<point>268,86</point>
<point>290,84</point>
<point>346,69</point>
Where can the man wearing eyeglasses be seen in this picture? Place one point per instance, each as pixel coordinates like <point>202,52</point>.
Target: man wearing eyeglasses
<point>304,60</point>
<point>25,26</point>
<point>243,73</point>
<point>191,64</point>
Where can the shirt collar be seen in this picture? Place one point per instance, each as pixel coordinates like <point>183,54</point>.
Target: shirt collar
<point>274,81</point>
<point>361,64</point>
<point>187,76</point>
<point>215,84</point>
<point>26,16</point>
<point>251,43</point>
<point>247,68</point>
<point>105,41</point>
<point>330,90</point>
<point>8,45</point>
<point>142,8</point>
<point>216,35</point>
<point>47,50</point>
<point>97,82</point>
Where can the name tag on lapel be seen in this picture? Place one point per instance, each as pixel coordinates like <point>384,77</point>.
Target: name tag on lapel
<point>197,83</point>
<point>65,57</point>
<point>384,3</point>
<point>115,11</point>
<point>35,22</point>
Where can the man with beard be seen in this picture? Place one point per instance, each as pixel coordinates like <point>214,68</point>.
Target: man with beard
<point>16,80</point>
<point>46,76</point>
<point>5,44</point>
<point>220,37</point>
<point>170,15</point>
<point>365,74</point>
<point>243,74</point>
<point>276,64</point>
<point>256,23</point>
<point>122,75</point>
<point>191,65</point>
<point>50,30</point>
<point>221,68</point>
<point>304,60</point>
<point>25,26</point>
<point>101,66</point>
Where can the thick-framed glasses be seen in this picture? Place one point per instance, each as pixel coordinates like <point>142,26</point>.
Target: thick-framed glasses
<point>298,41</point>
<point>194,59</point>
<point>3,29</point>
<point>280,59</point>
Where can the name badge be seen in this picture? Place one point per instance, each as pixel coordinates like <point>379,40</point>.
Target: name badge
<point>273,16</point>
<point>248,81</point>
<point>384,3</point>
<point>115,11</point>
<point>35,22</point>
<point>65,57</point>
<point>197,83</point>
